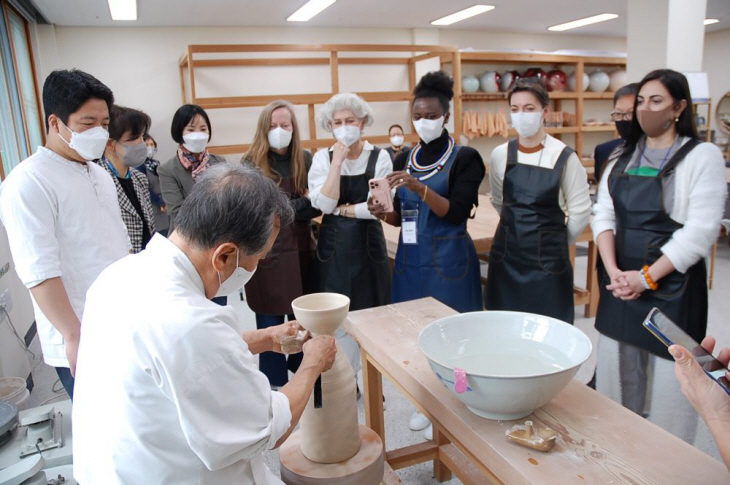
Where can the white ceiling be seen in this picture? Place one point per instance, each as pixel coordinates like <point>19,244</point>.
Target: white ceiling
<point>533,16</point>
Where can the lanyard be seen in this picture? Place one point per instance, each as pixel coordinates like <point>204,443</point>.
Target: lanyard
<point>109,164</point>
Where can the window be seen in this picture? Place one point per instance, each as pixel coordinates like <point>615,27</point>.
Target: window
<point>21,127</point>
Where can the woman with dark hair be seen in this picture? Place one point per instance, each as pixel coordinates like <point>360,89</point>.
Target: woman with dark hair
<point>284,274</point>
<point>657,215</point>
<point>191,130</point>
<point>395,133</point>
<point>540,189</point>
<point>435,195</point>
<point>124,151</point>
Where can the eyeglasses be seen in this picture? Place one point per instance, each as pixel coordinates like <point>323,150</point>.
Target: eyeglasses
<point>621,116</point>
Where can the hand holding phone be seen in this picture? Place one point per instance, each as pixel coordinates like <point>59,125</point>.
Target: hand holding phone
<point>380,191</point>
<point>669,334</point>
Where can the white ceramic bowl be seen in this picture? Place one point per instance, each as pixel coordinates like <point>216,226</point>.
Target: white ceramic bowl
<point>514,362</point>
<point>321,313</point>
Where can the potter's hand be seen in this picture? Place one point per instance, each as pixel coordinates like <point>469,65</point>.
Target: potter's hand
<point>322,349</point>
<point>278,332</point>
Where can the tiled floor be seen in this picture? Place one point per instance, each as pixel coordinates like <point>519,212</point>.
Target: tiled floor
<point>399,409</point>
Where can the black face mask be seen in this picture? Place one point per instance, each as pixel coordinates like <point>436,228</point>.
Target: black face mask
<point>623,127</point>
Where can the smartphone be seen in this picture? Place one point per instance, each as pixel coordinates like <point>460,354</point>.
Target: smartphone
<point>380,190</point>
<point>669,333</point>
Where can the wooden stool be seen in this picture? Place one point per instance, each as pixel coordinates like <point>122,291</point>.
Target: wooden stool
<point>365,468</point>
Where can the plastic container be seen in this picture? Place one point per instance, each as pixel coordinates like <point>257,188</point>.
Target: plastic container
<point>14,390</point>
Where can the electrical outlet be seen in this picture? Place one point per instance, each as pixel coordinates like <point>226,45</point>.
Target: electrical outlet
<point>5,300</point>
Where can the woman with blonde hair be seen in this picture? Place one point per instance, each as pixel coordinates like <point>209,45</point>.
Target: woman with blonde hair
<point>283,275</point>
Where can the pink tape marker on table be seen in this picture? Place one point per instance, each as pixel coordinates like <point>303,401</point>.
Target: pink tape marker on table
<point>459,380</point>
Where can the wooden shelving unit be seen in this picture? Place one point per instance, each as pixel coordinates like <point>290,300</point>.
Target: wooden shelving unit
<point>222,55</point>
<point>578,64</point>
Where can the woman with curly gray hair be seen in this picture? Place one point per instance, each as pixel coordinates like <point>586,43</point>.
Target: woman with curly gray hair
<point>351,256</point>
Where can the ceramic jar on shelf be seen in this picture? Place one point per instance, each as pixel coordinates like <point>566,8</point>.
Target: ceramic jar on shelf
<point>618,78</point>
<point>599,81</point>
<point>538,73</point>
<point>508,79</point>
<point>557,80</point>
<point>469,84</point>
<point>490,82</point>
<point>572,82</point>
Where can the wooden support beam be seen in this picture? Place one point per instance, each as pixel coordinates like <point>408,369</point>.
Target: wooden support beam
<point>228,48</point>
<point>252,101</point>
<point>312,122</point>
<point>191,73</point>
<point>308,144</point>
<point>458,125</point>
<point>373,383</point>
<point>464,469</point>
<point>182,84</point>
<point>334,72</point>
<point>412,455</point>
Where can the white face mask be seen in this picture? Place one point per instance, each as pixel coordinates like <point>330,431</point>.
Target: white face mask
<point>279,138</point>
<point>429,130</point>
<point>196,141</point>
<point>151,152</point>
<point>396,141</point>
<point>347,135</point>
<point>89,144</point>
<point>235,282</point>
<point>526,124</point>
<point>134,155</point>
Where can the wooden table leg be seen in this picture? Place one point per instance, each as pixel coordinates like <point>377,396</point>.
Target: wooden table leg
<point>592,280</point>
<point>440,471</point>
<point>373,383</point>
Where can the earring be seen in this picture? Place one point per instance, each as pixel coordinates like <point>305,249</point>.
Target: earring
<point>676,120</point>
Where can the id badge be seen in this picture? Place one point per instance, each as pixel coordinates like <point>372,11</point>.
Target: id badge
<point>409,226</point>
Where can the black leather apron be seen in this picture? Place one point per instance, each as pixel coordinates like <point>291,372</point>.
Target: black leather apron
<point>285,272</point>
<point>529,264</point>
<point>643,226</point>
<point>351,257</point>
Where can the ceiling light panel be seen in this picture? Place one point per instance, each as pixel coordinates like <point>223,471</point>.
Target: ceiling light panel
<point>309,10</point>
<point>583,22</point>
<point>123,9</point>
<point>463,15</point>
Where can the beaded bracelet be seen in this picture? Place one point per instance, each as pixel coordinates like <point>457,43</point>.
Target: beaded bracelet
<point>647,278</point>
<point>644,283</point>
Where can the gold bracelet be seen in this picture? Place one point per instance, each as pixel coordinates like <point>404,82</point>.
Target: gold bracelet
<point>425,194</point>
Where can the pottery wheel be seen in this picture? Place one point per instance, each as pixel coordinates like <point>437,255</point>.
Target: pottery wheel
<point>365,468</point>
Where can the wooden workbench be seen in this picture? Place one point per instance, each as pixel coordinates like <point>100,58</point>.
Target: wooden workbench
<point>600,441</point>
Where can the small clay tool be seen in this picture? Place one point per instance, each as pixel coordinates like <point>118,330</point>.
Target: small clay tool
<point>540,439</point>
<point>292,344</point>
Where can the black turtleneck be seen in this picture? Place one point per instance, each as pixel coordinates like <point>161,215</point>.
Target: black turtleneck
<point>465,177</point>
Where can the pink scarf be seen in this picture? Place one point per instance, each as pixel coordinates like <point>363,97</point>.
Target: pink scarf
<point>195,163</point>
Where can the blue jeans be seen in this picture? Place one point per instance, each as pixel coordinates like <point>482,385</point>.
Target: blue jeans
<point>67,380</point>
<point>274,364</point>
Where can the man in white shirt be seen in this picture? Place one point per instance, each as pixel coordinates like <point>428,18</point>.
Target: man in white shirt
<point>167,387</point>
<point>62,216</point>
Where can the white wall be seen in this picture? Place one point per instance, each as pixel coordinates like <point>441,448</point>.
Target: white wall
<point>13,358</point>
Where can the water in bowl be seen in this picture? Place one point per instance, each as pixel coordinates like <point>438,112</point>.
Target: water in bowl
<point>515,358</point>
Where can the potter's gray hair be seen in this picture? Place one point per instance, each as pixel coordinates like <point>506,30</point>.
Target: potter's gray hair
<point>341,102</point>
<point>236,203</point>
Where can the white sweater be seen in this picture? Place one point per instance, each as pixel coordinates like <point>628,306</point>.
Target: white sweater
<point>320,170</point>
<point>574,197</point>
<point>699,201</point>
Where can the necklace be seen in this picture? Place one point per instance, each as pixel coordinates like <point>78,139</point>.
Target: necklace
<point>435,167</point>
<point>666,155</point>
